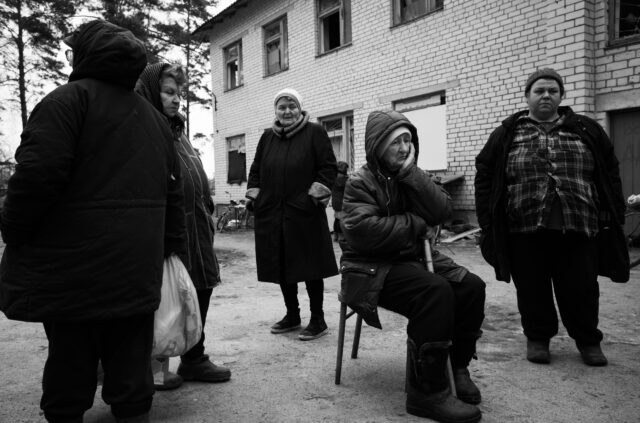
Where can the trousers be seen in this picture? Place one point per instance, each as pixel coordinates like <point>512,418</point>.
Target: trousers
<point>196,353</point>
<point>438,309</point>
<point>548,262</point>
<point>70,378</point>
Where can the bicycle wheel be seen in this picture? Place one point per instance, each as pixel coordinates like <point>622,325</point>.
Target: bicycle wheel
<point>222,221</point>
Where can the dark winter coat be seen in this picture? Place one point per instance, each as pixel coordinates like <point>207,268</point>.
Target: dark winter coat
<point>384,219</point>
<point>95,185</point>
<point>490,195</point>
<point>200,258</point>
<point>292,237</point>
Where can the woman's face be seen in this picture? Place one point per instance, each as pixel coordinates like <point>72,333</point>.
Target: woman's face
<point>287,111</point>
<point>170,96</point>
<point>397,152</point>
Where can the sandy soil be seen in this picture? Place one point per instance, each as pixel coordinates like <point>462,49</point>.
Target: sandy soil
<point>277,378</point>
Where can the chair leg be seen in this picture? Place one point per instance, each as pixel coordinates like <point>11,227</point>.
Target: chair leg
<point>343,319</point>
<point>356,337</point>
<point>452,383</point>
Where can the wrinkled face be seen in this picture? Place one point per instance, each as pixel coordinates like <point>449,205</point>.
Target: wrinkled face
<point>397,152</point>
<point>287,111</point>
<point>543,99</point>
<point>170,96</point>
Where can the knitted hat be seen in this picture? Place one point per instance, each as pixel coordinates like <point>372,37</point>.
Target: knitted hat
<point>292,94</point>
<point>545,73</point>
<point>384,144</point>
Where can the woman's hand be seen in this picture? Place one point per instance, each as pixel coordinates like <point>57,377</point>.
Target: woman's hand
<point>409,161</point>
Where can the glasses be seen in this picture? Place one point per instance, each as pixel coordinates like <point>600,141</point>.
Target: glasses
<point>69,55</point>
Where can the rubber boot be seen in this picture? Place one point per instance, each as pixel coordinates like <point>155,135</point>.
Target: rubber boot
<point>462,351</point>
<point>428,391</point>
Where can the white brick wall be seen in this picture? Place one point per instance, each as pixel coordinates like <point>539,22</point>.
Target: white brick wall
<point>488,46</point>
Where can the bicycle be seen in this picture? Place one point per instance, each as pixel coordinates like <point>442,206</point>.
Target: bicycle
<point>234,217</point>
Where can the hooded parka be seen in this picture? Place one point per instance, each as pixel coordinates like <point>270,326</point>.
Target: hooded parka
<point>200,258</point>
<point>384,218</point>
<point>490,195</point>
<point>95,203</point>
<point>293,242</point>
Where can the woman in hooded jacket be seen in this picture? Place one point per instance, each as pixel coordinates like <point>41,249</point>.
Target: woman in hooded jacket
<point>161,84</point>
<point>289,187</point>
<point>389,205</point>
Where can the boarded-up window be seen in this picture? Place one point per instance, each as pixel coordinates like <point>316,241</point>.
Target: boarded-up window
<point>429,115</point>
<point>236,160</point>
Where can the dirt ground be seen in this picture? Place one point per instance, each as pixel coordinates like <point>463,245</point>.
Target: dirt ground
<point>277,378</point>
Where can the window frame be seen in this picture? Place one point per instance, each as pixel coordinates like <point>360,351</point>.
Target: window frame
<point>396,12</point>
<point>227,61</point>
<point>228,141</point>
<point>614,30</point>
<point>344,11</point>
<point>346,133</point>
<point>284,45</point>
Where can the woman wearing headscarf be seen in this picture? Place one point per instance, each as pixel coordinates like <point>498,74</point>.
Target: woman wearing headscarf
<point>289,187</point>
<point>161,84</point>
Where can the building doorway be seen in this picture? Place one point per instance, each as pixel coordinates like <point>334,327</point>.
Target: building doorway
<point>625,135</point>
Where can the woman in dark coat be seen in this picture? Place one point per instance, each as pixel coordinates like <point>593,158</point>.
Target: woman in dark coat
<point>91,211</point>
<point>161,84</point>
<point>289,187</point>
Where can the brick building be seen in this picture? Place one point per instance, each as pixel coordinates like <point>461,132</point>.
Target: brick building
<point>456,68</point>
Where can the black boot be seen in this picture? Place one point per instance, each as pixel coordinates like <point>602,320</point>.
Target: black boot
<point>316,328</point>
<point>461,352</point>
<point>428,391</point>
<point>291,321</point>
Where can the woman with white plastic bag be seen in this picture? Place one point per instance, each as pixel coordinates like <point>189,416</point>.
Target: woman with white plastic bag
<point>162,85</point>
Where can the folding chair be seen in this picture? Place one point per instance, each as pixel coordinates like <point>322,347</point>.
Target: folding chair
<point>344,315</point>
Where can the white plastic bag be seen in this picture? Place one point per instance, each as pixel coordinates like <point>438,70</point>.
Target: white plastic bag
<point>177,325</point>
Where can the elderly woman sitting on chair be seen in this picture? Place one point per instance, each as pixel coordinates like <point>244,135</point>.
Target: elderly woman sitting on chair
<point>388,205</point>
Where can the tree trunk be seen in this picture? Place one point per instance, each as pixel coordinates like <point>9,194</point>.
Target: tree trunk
<point>22,89</point>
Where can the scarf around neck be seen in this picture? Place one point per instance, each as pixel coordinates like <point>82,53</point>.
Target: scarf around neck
<point>290,130</point>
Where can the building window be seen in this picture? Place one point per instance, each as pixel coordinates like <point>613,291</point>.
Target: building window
<point>334,24</point>
<point>408,10</point>
<point>233,65</point>
<point>236,160</point>
<point>276,55</point>
<point>340,131</point>
<point>429,115</point>
<point>624,21</point>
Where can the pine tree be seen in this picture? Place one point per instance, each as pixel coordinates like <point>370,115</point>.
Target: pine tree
<point>164,25</point>
<point>30,34</point>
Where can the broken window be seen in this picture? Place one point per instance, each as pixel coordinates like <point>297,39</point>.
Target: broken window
<point>275,46</point>
<point>340,131</point>
<point>334,24</point>
<point>233,65</point>
<point>408,10</point>
<point>624,20</point>
<point>237,160</point>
